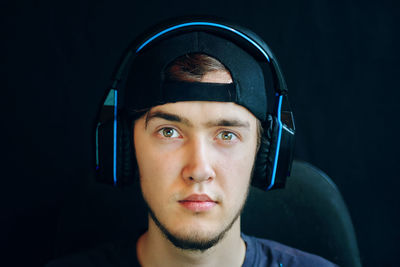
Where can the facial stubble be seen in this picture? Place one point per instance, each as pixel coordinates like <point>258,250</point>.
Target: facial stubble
<point>195,243</point>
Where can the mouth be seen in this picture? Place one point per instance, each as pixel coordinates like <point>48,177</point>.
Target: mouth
<point>198,203</point>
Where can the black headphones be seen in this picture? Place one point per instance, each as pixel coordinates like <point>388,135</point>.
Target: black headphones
<point>115,160</point>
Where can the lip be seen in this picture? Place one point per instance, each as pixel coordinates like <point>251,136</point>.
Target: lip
<point>198,203</point>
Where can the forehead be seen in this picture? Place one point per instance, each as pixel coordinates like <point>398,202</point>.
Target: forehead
<point>205,111</point>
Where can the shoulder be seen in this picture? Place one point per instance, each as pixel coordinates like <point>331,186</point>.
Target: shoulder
<point>264,252</point>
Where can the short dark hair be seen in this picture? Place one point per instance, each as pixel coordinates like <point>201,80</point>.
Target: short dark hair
<point>192,67</point>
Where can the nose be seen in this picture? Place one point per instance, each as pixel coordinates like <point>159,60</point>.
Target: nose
<point>198,167</point>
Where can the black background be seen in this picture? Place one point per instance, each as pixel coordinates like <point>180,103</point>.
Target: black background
<point>341,63</point>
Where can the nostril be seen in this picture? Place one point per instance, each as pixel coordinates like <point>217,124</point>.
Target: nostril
<point>194,179</point>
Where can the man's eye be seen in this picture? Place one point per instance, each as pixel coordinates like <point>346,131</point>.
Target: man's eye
<point>226,136</point>
<point>169,132</point>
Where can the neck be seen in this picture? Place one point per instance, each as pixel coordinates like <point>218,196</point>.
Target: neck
<point>154,249</point>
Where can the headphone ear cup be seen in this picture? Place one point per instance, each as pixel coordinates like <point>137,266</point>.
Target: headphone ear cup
<point>263,166</point>
<point>126,165</point>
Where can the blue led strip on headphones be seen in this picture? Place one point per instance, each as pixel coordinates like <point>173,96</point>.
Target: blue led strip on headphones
<point>278,144</point>
<point>149,40</point>
<point>115,136</point>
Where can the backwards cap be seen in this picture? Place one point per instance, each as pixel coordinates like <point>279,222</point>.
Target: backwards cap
<point>146,86</point>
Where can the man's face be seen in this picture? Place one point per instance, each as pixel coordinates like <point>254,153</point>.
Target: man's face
<point>195,161</point>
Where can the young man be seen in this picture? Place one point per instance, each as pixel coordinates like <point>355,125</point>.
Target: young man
<point>194,105</point>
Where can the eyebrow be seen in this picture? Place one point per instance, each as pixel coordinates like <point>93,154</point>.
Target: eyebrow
<point>167,116</point>
<point>215,123</point>
<point>228,123</point>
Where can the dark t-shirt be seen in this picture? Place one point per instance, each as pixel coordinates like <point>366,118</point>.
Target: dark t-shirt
<point>259,253</point>
<point>264,252</point>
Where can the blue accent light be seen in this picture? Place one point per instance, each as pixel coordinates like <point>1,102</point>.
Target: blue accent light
<point>115,136</point>
<point>199,23</point>
<point>278,143</point>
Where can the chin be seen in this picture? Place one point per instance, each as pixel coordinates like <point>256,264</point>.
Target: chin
<point>195,234</point>
<point>194,239</point>
<point>194,231</point>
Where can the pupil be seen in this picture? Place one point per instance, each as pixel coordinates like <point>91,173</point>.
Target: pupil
<point>227,136</point>
<point>167,132</point>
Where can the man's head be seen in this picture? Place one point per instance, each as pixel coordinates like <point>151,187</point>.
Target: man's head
<point>195,159</point>
<point>202,107</point>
